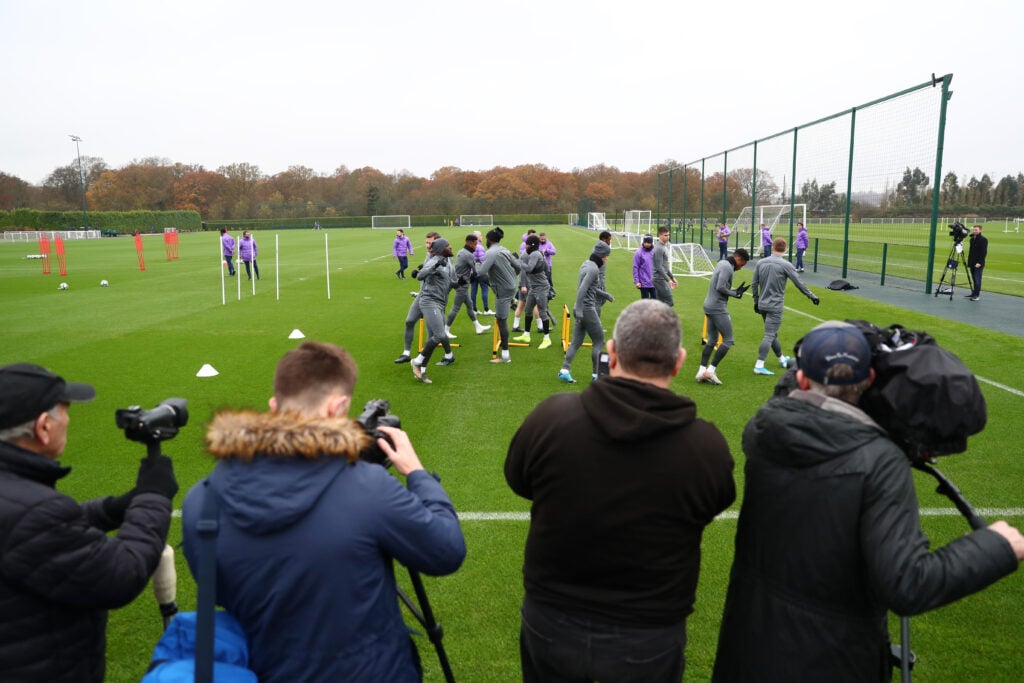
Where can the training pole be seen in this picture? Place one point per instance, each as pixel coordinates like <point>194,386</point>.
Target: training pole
<point>277,266</point>
<point>138,250</point>
<point>44,251</point>
<point>238,274</point>
<point>62,261</point>
<point>327,262</point>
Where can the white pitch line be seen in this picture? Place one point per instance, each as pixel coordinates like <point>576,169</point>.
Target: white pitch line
<point>997,385</point>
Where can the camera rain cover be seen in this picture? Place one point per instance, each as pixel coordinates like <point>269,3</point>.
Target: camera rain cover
<point>923,394</point>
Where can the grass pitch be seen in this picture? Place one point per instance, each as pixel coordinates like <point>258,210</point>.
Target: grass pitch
<point>144,338</point>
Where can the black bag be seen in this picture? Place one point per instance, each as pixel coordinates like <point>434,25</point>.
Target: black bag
<point>840,285</point>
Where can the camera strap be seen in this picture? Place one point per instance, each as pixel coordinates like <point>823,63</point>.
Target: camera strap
<point>208,527</point>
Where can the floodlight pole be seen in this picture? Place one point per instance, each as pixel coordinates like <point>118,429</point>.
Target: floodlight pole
<point>81,180</point>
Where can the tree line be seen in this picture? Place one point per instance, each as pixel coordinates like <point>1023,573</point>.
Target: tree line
<point>243,191</point>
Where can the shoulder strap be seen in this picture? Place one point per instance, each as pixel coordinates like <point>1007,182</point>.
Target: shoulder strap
<point>208,526</point>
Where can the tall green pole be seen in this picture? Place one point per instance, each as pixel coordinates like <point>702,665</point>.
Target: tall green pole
<point>946,94</point>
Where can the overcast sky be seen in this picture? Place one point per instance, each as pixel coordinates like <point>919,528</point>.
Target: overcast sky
<point>417,86</point>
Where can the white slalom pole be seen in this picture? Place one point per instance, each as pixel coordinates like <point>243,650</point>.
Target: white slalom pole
<point>327,263</point>
<point>277,265</point>
<point>238,272</point>
<point>220,262</point>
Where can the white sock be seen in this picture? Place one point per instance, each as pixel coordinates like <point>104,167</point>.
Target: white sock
<point>711,369</point>
<point>418,359</point>
<point>449,355</point>
<point>702,369</point>
<point>759,364</point>
<point>504,353</point>
<point>515,321</point>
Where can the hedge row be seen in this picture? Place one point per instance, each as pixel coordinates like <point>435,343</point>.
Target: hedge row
<point>120,221</point>
<point>425,221</point>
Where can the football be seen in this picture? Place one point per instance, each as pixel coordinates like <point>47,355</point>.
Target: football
<point>104,283</point>
<point>62,285</point>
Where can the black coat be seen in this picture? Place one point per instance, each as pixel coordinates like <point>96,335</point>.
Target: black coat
<point>978,250</point>
<point>828,540</point>
<point>60,572</point>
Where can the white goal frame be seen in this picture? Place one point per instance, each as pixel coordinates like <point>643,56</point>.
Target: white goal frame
<point>767,214</point>
<point>689,260</point>
<point>596,221</point>
<point>479,220</point>
<point>636,221</point>
<point>627,240</point>
<point>394,222</point>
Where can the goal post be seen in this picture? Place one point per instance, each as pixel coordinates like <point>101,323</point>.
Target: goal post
<point>479,220</point>
<point>596,221</point>
<point>689,260</point>
<point>636,221</point>
<point>391,222</point>
<point>770,215</point>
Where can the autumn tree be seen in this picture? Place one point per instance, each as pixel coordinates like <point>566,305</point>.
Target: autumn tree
<point>15,193</point>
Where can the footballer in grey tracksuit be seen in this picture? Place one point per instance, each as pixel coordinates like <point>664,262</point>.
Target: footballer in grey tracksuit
<point>465,272</point>
<point>535,282</point>
<point>716,310</point>
<point>663,278</point>
<point>436,281</point>
<point>768,288</point>
<point>586,312</point>
<point>499,270</point>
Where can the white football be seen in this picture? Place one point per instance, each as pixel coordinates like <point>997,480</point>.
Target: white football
<point>63,285</point>
<point>104,283</point>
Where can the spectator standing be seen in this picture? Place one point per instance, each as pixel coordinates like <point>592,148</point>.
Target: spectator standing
<point>59,570</point>
<point>976,260</point>
<point>829,537</point>
<point>316,597</point>
<point>622,478</point>
<point>643,269</point>
<point>723,240</point>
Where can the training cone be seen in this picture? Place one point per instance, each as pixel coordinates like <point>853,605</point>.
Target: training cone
<point>207,371</point>
<point>296,334</point>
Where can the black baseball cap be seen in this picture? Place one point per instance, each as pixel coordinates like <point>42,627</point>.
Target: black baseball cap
<point>834,343</point>
<point>28,390</point>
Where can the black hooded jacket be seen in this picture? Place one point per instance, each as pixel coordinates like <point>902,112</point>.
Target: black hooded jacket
<point>623,478</point>
<point>828,540</point>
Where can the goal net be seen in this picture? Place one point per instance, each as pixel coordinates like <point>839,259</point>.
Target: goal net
<point>627,240</point>
<point>689,260</point>
<point>753,217</point>
<point>479,219</point>
<point>636,222</point>
<point>392,222</point>
<point>596,221</point>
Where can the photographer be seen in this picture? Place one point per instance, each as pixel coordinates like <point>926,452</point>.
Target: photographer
<point>829,538</point>
<point>59,571</point>
<point>976,260</point>
<point>309,531</point>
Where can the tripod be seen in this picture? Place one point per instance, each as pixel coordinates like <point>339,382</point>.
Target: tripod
<point>426,618</point>
<point>901,654</point>
<point>953,261</point>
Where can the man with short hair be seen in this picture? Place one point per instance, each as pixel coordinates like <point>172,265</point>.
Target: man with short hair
<point>414,314</point>
<point>309,532</point>
<point>976,260</point>
<point>227,248</point>
<point>622,478</point>
<point>717,313</point>
<point>59,570</point>
<point>533,291</point>
<point>643,268</point>
<point>500,270</point>
<point>723,240</point>
<point>247,251</point>
<point>465,273</point>
<point>586,312</point>
<point>829,538</point>
<point>769,291</point>
<point>401,249</point>
<point>664,281</point>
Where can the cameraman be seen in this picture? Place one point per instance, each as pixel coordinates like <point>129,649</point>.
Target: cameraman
<point>59,571</point>
<point>976,260</point>
<point>829,537</point>
<point>308,531</point>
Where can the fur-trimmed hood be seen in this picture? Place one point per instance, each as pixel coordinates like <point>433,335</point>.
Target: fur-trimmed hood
<point>245,434</point>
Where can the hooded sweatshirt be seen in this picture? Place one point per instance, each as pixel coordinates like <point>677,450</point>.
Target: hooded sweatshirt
<point>305,548</point>
<point>623,478</point>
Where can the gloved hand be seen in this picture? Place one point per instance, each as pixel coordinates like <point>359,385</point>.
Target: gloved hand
<point>114,507</point>
<point>756,309</point>
<point>156,475</point>
<point>741,289</point>
<point>815,300</point>
<point>415,272</point>
<point>462,282</point>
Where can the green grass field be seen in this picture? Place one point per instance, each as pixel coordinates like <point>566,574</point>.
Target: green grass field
<point>145,337</point>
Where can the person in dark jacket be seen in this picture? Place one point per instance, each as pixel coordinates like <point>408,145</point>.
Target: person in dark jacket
<point>622,478</point>
<point>309,532</point>
<point>59,570</point>
<point>976,260</point>
<point>829,537</point>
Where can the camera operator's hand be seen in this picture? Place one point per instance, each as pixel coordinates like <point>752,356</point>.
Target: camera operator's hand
<point>156,475</point>
<point>1012,536</point>
<point>402,455</point>
<point>114,507</point>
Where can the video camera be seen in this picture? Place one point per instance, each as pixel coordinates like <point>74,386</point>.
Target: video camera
<point>152,426</point>
<point>375,413</point>
<point>958,231</point>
